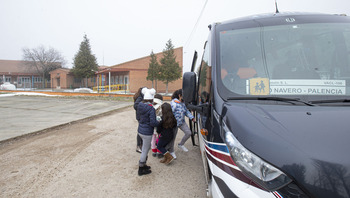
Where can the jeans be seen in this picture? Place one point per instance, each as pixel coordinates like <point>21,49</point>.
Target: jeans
<point>161,145</point>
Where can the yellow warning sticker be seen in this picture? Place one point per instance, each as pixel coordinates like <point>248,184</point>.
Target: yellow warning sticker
<point>259,86</point>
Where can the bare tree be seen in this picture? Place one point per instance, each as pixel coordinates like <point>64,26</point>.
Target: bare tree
<point>43,60</point>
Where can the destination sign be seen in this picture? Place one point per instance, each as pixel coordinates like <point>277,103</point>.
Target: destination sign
<point>296,87</point>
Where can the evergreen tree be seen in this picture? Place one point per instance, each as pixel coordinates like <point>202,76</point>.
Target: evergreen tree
<point>153,70</point>
<point>85,63</point>
<point>170,69</point>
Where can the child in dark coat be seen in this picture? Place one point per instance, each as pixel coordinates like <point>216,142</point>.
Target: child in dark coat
<point>146,115</point>
<point>138,97</point>
<point>166,130</point>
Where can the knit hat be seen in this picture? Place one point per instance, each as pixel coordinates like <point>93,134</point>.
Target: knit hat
<point>148,94</point>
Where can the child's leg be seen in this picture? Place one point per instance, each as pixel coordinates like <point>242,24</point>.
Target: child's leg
<point>161,146</point>
<point>139,143</point>
<point>139,140</point>
<point>153,145</point>
<point>170,146</point>
<point>157,141</point>
<point>187,132</point>
<point>145,148</point>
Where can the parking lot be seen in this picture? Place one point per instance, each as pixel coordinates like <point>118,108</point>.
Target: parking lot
<point>21,115</point>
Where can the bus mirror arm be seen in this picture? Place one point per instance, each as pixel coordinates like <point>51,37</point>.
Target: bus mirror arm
<point>201,109</point>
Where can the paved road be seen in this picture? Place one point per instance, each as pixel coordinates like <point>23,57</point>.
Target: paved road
<point>20,115</point>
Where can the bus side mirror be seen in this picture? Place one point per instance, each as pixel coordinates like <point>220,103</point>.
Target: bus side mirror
<point>189,87</point>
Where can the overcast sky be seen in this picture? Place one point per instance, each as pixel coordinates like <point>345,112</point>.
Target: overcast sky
<point>120,31</point>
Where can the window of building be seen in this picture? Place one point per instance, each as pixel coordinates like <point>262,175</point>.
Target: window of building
<point>116,78</point>
<point>126,79</point>
<point>22,80</point>
<point>112,80</point>
<point>77,80</point>
<point>37,79</point>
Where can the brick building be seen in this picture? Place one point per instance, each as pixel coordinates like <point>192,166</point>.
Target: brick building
<point>17,73</point>
<point>128,76</point>
<point>63,78</point>
<point>133,74</point>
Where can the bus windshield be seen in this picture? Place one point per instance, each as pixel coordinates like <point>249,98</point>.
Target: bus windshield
<point>300,59</point>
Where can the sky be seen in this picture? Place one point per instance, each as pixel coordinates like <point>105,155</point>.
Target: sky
<point>124,30</point>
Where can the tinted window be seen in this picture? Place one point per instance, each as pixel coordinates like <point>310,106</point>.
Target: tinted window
<point>204,82</point>
<point>310,59</point>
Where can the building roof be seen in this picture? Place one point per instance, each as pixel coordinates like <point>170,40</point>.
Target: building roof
<point>66,70</point>
<point>69,71</point>
<point>15,67</point>
<point>140,64</point>
<point>139,60</point>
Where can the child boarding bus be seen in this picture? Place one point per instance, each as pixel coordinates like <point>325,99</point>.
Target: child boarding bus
<point>272,99</point>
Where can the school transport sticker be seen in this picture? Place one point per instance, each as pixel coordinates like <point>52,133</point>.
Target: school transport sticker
<point>259,86</point>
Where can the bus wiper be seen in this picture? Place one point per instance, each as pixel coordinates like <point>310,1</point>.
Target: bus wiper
<point>330,101</point>
<point>289,100</point>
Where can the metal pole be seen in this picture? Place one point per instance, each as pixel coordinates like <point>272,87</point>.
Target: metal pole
<point>109,81</point>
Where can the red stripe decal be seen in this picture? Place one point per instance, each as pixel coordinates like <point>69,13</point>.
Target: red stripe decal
<point>221,156</point>
<point>277,194</point>
<point>229,170</point>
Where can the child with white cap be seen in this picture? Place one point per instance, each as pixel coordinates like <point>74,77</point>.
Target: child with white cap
<point>146,115</point>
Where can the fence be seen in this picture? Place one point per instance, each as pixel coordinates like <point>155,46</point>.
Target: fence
<point>113,88</point>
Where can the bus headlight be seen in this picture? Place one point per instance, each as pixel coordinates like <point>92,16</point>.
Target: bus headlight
<point>261,172</point>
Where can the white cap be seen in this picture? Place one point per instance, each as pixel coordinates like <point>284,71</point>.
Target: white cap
<point>148,94</point>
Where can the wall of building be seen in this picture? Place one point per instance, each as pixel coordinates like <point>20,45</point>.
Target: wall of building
<point>138,79</point>
<point>136,70</point>
<point>24,81</point>
<point>138,73</point>
<point>67,80</point>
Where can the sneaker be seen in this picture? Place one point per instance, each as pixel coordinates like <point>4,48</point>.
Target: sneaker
<point>182,147</point>
<point>160,155</point>
<point>138,149</point>
<point>154,154</point>
<point>173,154</point>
